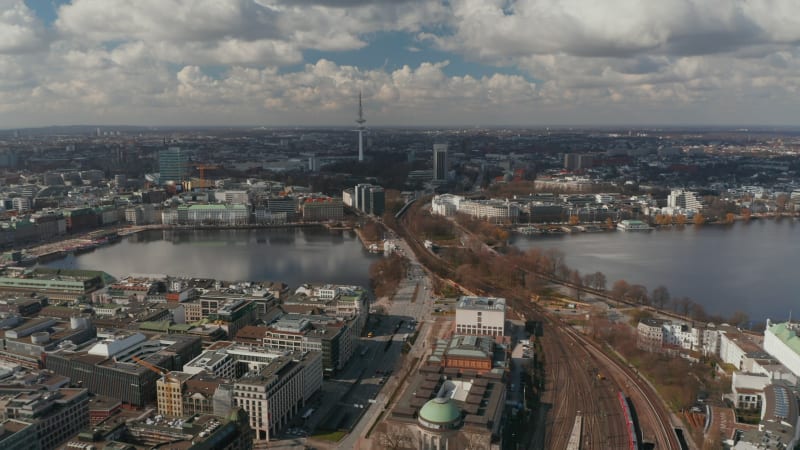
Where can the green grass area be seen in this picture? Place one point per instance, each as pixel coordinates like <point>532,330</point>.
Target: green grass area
<point>331,436</point>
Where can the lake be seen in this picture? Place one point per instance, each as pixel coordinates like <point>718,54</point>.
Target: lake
<point>291,255</point>
<point>749,267</point>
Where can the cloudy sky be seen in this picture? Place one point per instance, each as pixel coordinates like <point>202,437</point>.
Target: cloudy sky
<point>452,62</point>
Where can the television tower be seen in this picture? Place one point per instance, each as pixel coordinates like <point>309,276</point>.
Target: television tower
<point>360,121</point>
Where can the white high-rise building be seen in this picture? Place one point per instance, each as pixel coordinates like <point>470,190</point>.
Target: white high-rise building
<point>688,200</point>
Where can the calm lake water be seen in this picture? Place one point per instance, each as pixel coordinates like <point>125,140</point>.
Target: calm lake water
<point>293,256</point>
<point>752,267</point>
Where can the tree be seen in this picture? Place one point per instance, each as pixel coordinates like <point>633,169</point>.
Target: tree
<point>468,440</point>
<point>781,203</point>
<point>574,220</point>
<point>638,294</point>
<point>575,278</point>
<point>610,223</point>
<point>660,297</point>
<point>680,219</point>
<point>620,289</point>
<point>599,281</point>
<point>699,219</point>
<point>395,437</point>
<point>683,305</point>
<point>738,318</point>
<point>746,214</point>
<point>729,218</point>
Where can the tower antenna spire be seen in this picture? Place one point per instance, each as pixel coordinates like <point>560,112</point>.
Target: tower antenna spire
<point>360,121</point>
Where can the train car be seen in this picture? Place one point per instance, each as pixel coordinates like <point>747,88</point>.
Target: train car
<point>630,424</point>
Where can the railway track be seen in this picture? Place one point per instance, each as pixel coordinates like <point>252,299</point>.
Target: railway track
<point>654,420</point>
<point>573,389</point>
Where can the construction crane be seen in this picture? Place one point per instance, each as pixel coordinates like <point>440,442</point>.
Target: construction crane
<point>202,169</point>
<point>164,373</point>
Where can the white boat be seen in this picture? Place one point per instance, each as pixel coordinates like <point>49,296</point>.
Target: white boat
<point>633,225</point>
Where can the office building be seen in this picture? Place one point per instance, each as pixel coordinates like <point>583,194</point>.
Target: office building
<point>370,199</point>
<point>56,416</point>
<point>440,167</point>
<point>278,392</point>
<point>18,435</point>
<point>318,209</point>
<point>169,393</point>
<point>56,284</point>
<point>333,338</point>
<point>576,161</point>
<point>173,165</point>
<point>496,211</point>
<point>108,367</point>
<point>200,432</point>
<point>481,316</point>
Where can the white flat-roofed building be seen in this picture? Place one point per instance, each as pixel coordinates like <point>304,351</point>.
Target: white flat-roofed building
<point>735,345</point>
<point>748,389</point>
<point>115,344</point>
<point>446,204</point>
<point>482,316</point>
<point>491,210</point>
<point>217,362</point>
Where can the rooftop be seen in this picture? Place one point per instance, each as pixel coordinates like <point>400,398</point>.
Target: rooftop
<point>482,303</point>
<point>787,335</point>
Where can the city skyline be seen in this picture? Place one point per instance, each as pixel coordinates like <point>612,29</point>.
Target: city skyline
<point>457,63</point>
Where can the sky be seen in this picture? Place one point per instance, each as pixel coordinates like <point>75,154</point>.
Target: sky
<point>428,62</point>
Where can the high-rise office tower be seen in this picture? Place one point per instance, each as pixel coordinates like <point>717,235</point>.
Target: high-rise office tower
<point>360,121</point>
<point>440,162</point>
<point>172,164</point>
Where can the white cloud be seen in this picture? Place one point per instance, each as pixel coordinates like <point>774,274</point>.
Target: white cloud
<point>225,61</point>
<point>20,30</point>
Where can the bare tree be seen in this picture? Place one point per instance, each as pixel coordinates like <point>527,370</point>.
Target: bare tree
<point>471,440</point>
<point>395,437</point>
<point>600,281</point>
<point>620,289</point>
<point>638,294</point>
<point>738,318</point>
<point>660,297</point>
<point>575,278</point>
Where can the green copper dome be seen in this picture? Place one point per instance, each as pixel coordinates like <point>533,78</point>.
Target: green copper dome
<point>440,410</point>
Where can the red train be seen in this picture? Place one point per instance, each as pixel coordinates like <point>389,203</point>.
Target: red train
<point>630,425</point>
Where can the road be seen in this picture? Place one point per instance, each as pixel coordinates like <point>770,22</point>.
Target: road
<point>412,304</point>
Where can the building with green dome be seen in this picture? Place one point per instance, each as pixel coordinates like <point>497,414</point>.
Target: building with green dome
<point>450,409</point>
<point>439,420</point>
